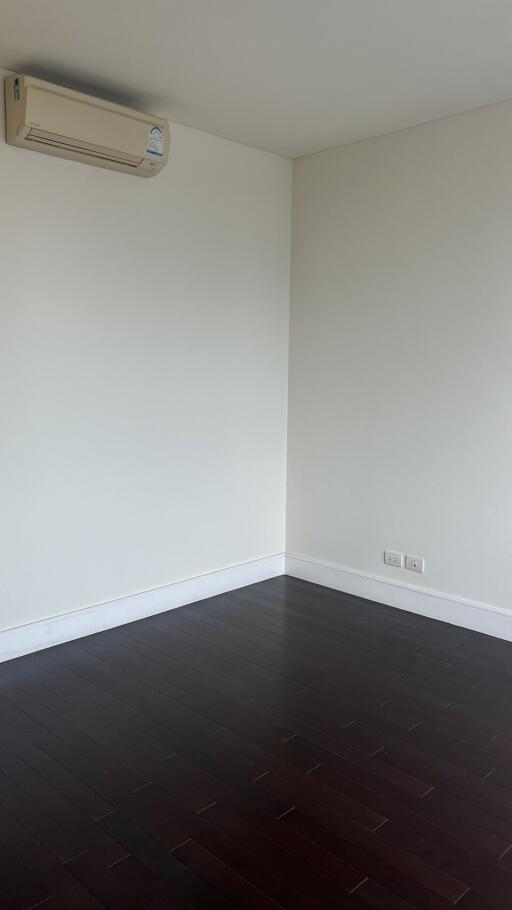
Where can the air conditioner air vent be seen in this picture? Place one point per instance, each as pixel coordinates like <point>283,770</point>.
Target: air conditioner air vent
<point>83,148</point>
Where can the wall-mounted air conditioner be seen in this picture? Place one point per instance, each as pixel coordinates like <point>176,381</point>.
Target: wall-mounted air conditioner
<point>58,121</point>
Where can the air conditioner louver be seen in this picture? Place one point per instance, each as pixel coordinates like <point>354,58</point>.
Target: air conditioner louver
<point>65,142</point>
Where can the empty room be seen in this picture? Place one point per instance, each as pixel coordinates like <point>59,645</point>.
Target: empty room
<point>255,455</point>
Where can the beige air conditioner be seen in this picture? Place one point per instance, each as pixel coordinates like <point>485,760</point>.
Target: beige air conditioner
<point>58,121</point>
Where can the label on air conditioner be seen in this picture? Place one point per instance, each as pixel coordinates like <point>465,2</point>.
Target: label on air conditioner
<point>156,141</point>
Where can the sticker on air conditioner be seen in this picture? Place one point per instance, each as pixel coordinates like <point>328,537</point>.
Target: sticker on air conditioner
<point>156,140</point>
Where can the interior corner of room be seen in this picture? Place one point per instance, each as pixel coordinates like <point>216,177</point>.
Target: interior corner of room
<point>168,396</point>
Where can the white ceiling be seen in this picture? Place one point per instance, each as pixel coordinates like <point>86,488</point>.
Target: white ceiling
<point>290,76</point>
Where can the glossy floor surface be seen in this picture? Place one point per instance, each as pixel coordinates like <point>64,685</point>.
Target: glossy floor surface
<point>279,746</point>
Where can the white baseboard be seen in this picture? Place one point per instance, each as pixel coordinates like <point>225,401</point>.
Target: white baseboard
<point>68,626</point>
<point>55,630</point>
<point>469,614</point>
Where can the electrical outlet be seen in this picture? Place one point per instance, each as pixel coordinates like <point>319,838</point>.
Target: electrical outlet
<point>393,558</point>
<point>415,563</point>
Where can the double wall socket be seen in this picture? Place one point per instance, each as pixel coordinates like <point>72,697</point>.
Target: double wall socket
<point>395,558</point>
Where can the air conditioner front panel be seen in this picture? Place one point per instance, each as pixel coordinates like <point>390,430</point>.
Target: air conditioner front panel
<point>83,122</point>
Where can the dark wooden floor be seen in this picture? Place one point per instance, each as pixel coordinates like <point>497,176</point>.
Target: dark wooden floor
<point>279,746</point>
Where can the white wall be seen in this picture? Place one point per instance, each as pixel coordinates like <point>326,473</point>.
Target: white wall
<point>143,365</point>
<point>143,372</point>
<point>400,409</point>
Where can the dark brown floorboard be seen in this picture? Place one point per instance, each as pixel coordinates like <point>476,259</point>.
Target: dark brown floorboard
<point>281,746</point>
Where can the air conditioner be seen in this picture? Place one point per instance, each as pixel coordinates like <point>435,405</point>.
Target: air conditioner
<point>58,121</point>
